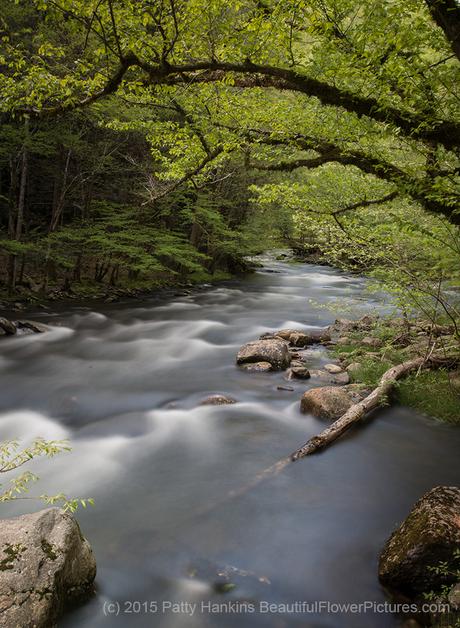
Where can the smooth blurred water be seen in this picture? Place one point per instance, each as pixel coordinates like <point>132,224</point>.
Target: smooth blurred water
<point>123,383</point>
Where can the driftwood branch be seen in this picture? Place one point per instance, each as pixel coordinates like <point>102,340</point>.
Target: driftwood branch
<point>375,399</point>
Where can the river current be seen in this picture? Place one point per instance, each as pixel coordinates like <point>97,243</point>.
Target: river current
<point>123,383</point>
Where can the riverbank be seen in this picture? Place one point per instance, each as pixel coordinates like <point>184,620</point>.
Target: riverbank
<point>369,348</point>
<point>94,292</point>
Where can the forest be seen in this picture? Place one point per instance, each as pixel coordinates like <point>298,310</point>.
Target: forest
<point>151,143</point>
<point>208,207</point>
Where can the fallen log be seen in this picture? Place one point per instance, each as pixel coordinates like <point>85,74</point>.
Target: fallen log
<point>375,399</point>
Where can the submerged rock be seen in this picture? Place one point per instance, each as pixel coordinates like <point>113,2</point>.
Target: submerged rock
<point>7,326</point>
<point>272,350</point>
<point>430,535</point>
<point>23,326</point>
<point>33,326</point>
<point>217,400</point>
<point>45,566</point>
<point>326,402</point>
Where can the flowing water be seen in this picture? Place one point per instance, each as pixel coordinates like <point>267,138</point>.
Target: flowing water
<point>123,382</point>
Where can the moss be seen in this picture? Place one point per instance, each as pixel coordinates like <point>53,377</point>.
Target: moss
<point>49,550</point>
<point>370,372</point>
<point>12,553</point>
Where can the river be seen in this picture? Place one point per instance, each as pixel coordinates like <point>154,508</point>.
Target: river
<point>123,382</point>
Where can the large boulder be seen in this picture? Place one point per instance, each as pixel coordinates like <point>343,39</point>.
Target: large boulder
<point>430,535</point>
<point>45,566</point>
<point>272,350</point>
<point>326,402</point>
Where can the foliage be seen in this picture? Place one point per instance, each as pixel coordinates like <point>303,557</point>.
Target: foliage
<point>12,457</point>
<point>136,133</point>
<point>432,393</point>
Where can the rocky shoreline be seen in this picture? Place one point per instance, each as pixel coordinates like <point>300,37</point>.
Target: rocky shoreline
<point>421,559</point>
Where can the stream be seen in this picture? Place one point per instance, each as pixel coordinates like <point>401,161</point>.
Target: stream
<point>122,381</point>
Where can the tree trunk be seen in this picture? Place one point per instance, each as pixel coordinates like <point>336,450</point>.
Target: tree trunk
<point>17,221</point>
<point>58,205</point>
<point>375,399</point>
<point>446,14</point>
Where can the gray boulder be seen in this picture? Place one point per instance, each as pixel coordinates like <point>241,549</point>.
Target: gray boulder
<point>430,535</point>
<point>272,350</point>
<point>45,566</point>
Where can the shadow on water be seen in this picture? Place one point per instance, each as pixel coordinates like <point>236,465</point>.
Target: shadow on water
<point>123,384</point>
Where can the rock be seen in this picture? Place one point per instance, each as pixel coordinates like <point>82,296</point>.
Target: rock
<point>298,372</point>
<point>7,326</point>
<point>333,368</point>
<point>285,334</point>
<point>429,535</point>
<point>272,350</point>
<point>345,325</point>
<point>299,338</point>
<point>288,388</point>
<point>36,328</point>
<point>341,378</point>
<point>316,336</point>
<point>46,565</point>
<point>297,363</point>
<point>343,340</point>
<point>353,368</point>
<point>367,321</point>
<point>327,402</point>
<point>257,367</point>
<point>217,400</point>
<point>337,378</point>
<point>370,341</point>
